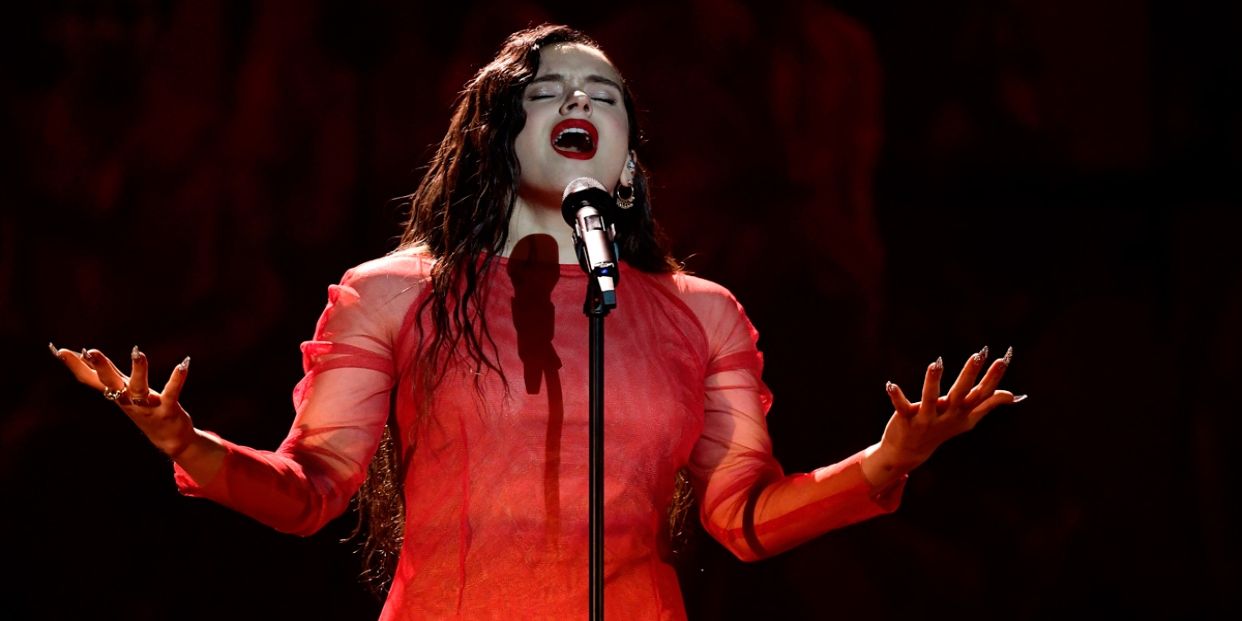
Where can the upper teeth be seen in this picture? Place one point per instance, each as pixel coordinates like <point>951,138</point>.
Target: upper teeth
<point>571,130</point>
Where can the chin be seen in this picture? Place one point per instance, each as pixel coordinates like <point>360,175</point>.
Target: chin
<point>570,173</point>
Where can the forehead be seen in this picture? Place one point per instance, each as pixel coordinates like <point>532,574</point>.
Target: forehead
<point>571,58</point>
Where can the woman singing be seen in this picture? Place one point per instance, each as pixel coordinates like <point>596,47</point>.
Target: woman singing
<point>447,382</point>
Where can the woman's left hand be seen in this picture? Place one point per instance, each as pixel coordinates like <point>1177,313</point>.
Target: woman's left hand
<point>916,430</point>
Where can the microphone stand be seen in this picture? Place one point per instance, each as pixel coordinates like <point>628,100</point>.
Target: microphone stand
<point>595,243</point>
<point>598,303</point>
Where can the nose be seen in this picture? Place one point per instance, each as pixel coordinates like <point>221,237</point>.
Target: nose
<point>576,101</point>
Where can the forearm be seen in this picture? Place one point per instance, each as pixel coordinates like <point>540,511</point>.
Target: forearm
<point>291,490</point>
<point>769,518</point>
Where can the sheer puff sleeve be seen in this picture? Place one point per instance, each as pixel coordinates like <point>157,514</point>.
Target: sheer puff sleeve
<point>342,406</point>
<point>746,501</point>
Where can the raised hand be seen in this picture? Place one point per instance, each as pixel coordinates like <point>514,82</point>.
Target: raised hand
<point>916,430</point>
<point>158,414</point>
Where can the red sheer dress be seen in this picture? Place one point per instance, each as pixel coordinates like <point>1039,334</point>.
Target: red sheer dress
<point>496,490</point>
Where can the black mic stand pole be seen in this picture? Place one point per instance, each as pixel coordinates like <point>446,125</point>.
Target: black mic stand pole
<point>595,243</point>
<point>596,307</point>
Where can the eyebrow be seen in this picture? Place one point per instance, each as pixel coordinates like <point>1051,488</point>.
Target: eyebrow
<point>593,78</point>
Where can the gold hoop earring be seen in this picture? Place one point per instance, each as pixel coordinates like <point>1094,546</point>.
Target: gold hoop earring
<point>625,196</point>
<point>625,193</point>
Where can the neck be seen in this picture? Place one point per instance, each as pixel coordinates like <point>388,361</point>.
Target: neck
<point>540,217</point>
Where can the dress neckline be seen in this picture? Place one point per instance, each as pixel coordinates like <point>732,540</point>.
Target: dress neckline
<point>566,269</point>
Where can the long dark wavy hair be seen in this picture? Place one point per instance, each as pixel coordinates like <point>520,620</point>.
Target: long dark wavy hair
<point>459,215</point>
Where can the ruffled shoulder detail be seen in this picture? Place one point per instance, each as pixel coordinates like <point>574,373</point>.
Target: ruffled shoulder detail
<point>401,274</point>
<point>732,339</point>
<point>364,316</point>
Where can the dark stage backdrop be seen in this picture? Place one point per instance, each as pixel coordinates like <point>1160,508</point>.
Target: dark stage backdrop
<point>879,183</point>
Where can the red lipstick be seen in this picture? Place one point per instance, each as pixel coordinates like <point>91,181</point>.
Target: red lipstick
<point>575,139</point>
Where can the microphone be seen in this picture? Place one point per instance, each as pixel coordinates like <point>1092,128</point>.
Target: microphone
<point>584,205</point>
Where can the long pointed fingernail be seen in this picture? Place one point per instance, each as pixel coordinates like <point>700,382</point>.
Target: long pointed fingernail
<point>185,365</point>
<point>1020,398</point>
<point>52,347</point>
<point>86,357</point>
<point>1008,356</point>
<point>938,365</point>
<point>890,388</point>
<point>980,357</point>
<point>133,354</point>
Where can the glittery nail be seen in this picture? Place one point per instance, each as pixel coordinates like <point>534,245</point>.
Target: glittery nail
<point>52,347</point>
<point>938,365</point>
<point>1020,398</point>
<point>133,354</point>
<point>890,388</point>
<point>185,365</point>
<point>1008,356</point>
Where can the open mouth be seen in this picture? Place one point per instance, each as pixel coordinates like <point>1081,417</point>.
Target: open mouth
<point>575,139</point>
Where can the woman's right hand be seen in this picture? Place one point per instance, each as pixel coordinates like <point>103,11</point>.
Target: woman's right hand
<point>158,414</point>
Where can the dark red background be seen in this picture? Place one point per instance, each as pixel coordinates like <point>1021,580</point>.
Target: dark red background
<point>879,183</point>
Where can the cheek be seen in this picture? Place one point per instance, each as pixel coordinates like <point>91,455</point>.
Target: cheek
<point>529,136</point>
<point>621,125</point>
<point>525,145</point>
<point>622,151</point>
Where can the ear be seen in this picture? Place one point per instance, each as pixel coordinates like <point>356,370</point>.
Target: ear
<point>628,170</point>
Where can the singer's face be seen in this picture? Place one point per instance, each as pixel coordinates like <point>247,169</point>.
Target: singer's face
<point>576,123</point>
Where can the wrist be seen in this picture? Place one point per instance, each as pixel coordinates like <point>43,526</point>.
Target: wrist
<point>881,465</point>
<point>200,459</point>
<point>185,445</point>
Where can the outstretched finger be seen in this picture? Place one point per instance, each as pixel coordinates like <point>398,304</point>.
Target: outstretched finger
<point>900,402</point>
<point>966,379</point>
<point>138,389</point>
<point>931,388</point>
<point>990,381</point>
<point>1001,397</point>
<point>172,390</point>
<point>78,367</point>
<point>108,374</point>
